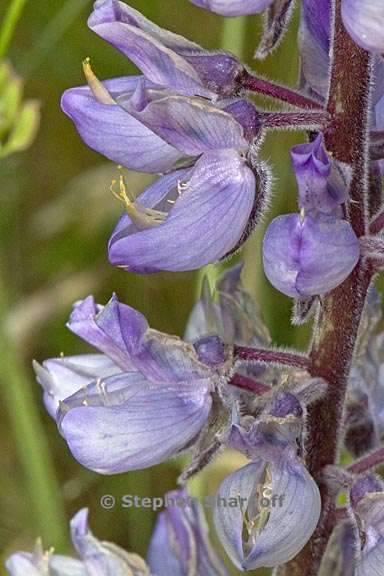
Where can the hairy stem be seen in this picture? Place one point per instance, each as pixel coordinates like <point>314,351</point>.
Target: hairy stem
<point>298,120</point>
<point>282,93</point>
<point>377,224</point>
<point>336,330</point>
<point>245,383</point>
<point>368,462</point>
<point>269,356</point>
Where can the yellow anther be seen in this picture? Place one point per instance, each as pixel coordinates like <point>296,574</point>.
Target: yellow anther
<point>141,216</point>
<point>99,91</point>
<point>302,215</point>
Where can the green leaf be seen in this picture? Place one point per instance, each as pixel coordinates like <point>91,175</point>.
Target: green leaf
<point>23,130</point>
<point>10,100</point>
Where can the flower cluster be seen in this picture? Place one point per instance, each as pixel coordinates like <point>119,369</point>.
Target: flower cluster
<point>186,526</point>
<point>145,396</point>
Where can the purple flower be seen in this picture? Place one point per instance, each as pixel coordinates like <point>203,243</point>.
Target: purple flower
<point>143,400</point>
<point>233,7</point>
<point>165,58</point>
<point>367,500</point>
<point>306,256</point>
<point>200,216</point>
<point>191,216</point>
<point>96,557</point>
<point>258,515</point>
<point>180,545</point>
<point>314,44</point>
<point>313,168</point>
<point>108,129</point>
<point>364,20</point>
<point>340,556</point>
<point>206,209</point>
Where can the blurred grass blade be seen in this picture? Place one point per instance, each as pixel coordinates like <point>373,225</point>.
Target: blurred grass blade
<point>41,485</point>
<point>9,24</point>
<point>52,34</point>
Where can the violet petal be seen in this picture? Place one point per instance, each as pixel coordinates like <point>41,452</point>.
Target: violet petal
<point>190,124</point>
<point>308,257</point>
<point>127,423</point>
<point>204,224</point>
<point>109,130</point>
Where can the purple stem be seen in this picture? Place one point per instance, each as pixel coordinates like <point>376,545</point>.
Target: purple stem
<point>341,514</point>
<point>270,356</point>
<point>368,462</point>
<point>282,93</point>
<point>299,120</point>
<point>245,383</point>
<point>377,224</point>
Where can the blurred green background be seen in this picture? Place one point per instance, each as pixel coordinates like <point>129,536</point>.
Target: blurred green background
<point>55,219</point>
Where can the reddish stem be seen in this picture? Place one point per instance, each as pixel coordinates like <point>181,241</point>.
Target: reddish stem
<point>270,356</point>
<point>377,224</point>
<point>368,462</point>
<point>299,120</point>
<point>337,326</point>
<point>245,383</point>
<point>282,93</point>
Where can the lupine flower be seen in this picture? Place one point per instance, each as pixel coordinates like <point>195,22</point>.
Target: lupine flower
<point>367,500</point>
<point>143,400</point>
<point>193,215</point>
<point>200,214</point>
<point>108,129</point>
<point>306,256</point>
<point>340,556</point>
<point>314,44</point>
<point>96,557</point>
<point>233,7</point>
<point>313,166</point>
<point>364,20</point>
<point>166,60</point>
<point>180,545</point>
<point>256,533</point>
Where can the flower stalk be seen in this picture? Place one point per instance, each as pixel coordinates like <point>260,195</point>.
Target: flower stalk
<point>269,356</point>
<point>283,93</point>
<point>337,326</point>
<point>368,462</point>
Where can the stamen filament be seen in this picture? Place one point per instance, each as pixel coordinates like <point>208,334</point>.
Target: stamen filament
<point>99,91</point>
<point>141,216</point>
